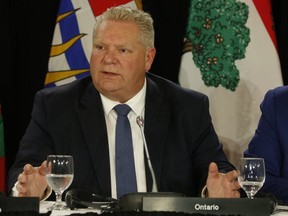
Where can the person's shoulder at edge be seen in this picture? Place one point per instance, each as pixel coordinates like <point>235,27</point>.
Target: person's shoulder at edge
<point>77,85</point>
<point>280,90</point>
<point>276,94</point>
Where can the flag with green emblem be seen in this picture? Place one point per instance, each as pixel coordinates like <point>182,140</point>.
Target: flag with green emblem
<point>231,55</point>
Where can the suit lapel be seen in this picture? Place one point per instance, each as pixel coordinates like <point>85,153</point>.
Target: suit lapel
<point>157,116</point>
<point>93,124</point>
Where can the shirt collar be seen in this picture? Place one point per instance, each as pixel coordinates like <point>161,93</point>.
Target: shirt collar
<point>136,103</point>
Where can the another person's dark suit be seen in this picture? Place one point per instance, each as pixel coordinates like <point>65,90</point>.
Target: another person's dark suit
<point>271,142</point>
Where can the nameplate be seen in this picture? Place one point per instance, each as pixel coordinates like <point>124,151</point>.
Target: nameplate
<point>19,204</point>
<point>214,206</point>
<point>134,201</point>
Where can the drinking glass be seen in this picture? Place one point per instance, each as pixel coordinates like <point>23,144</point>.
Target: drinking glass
<point>251,175</point>
<point>59,176</point>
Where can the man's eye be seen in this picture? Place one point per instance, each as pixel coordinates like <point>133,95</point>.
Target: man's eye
<point>124,50</point>
<point>98,47</point>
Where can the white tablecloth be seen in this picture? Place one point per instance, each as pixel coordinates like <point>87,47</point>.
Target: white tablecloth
<point>280,213</point>
<point>45,205</point>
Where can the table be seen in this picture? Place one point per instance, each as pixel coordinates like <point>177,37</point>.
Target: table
<point>283,210</point>
<point>45,205</point>
<point>282,213</point>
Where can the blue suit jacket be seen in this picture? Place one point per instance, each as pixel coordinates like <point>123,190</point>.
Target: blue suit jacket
<point>271,142</point>
<point>180,136</point>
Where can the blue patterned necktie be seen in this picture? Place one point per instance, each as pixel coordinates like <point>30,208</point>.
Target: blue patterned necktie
<point>125,168</point>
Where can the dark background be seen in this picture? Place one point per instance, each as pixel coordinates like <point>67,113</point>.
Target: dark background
<point>27,31</point>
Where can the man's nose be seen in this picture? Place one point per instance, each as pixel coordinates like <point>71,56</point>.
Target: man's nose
<point>110,57</point>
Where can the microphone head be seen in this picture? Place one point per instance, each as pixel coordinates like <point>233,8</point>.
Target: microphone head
<point>140,121</point>
<point>76,198</point>
<point>69,200</point>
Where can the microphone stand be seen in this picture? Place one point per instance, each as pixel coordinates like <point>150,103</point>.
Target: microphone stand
<point>140,122</point>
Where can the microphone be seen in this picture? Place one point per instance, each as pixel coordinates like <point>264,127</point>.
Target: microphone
<point>140,122</point>
<point>84,199</point>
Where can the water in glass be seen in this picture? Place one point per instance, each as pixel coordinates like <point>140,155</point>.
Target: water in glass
<point>251,175</point>
<point>59,176</point>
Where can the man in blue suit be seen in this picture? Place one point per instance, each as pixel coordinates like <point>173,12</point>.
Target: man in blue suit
<point>78,119</point>
<point>271,142</point>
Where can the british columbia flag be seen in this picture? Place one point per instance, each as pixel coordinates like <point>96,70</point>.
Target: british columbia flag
<point>72,40</point>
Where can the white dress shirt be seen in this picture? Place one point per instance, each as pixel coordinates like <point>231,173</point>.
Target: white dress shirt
<point>137,104</point>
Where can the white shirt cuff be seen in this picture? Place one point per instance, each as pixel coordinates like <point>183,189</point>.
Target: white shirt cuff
<point>15,192</point>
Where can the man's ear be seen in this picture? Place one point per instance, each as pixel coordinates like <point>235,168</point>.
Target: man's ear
<point>150,55</point>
